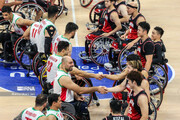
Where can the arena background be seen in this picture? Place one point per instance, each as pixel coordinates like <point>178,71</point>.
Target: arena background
<point>162,13</point>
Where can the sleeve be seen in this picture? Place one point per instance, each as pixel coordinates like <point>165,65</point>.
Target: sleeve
<point>158,54</point>
<point>149,48</point>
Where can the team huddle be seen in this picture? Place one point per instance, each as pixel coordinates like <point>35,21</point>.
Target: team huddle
<point>61,94</point>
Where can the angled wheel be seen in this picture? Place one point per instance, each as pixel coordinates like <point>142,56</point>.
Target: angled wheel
<point>156,92</point>
<point>85,83</point>
<point>4,26</point>
<point>122,57</point>
<point>60,7</point>
<point>137,1</point>
<point>152,111</point>
<point>85,3</point>
<point>43,76</point>
<point>99,50</point>
<point>30,10</point>
<point>68,116</point>
<point>25,60</point>
<point>158,72</point>
<point>96,11</point>
<point>19,47</point>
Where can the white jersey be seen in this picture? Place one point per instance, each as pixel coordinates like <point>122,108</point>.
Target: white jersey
<point>53,63</point>
<point>55,44</point>
<point>65,94</point>
<point>41,34</point>
<point>18,30</point>
<point>57,114</point>
<point>33,32</point>
<point>31,114</point>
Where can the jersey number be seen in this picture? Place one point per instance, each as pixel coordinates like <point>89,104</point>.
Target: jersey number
<point>34,32</point>
<point>49,65</point>
<point>27,118</point>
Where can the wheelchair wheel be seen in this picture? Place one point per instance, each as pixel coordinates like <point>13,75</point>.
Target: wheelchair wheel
<point>60,7</point>
<point>68,116</point>
<point>85,3</point>
<point>158,72</point>
<point>4,26</point>
<point>30,10</point>
<point>99,50</point>
<point>152,111</point>
<point>138,3</point>
<point>25,60</point>
<point>19,47</point>
<point>43,76</point>
<point>122,57</point>
<point>156,92</point>
<point>96,12</point>
<point>85,83</point>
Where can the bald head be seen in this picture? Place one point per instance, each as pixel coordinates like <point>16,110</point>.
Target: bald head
<point>67,63</point>
<point>65,59</point>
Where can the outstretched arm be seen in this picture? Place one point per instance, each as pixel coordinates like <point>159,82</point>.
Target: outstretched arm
<point>24,22</point>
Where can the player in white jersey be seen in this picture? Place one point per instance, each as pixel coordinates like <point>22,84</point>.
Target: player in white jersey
<point>70,32</point>
<point>54,112</point>
<point>68,90</point>
<point>34,113</point>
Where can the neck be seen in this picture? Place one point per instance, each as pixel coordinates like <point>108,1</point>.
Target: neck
<point>54,108</point>
<point>157,40</point>
<point>68,36</point>
<point>52,20</point>
<point>111,7</point>
<point>40,108</point>
<point>137,89</point>
<point>135,14</point>
<point>60,54</point>
<point>144,37</point>
<point>62,68</point>
<point>117,114</point>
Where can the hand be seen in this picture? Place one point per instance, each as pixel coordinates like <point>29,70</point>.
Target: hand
<point>102,90</point>
<point>105,34</point>
<point>129,45</point>
<point>99,76</point>
<point>80,98</point>
<point>123,37</point>
<point>126,70</point>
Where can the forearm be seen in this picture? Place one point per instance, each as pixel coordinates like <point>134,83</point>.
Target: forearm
<point>148,65</point>
<point>27,22</point>
<point>116,77</point>
<point>118,88</point>
<point>115,30</point>
<point>126,111</point>
<point>85,90</point>
<point>13,3</point>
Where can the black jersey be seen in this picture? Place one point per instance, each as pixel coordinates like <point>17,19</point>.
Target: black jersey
<point>117,117</point>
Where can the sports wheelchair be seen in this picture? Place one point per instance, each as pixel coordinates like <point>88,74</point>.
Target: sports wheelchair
<point>31,9</point>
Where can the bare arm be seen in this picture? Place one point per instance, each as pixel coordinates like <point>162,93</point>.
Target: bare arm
<point>123,10</point>
<point>26,34</point>
<point>143,104</point>
<point>127,110</point>
<point>148,62</point>
<point>51,117</point>
<point>45,118</point>
<point>145,86</point>
<point>24,22</point>
<point>69,84</point>
<point>70,50</point>
<point>140,19</point>
<point>81,73</point>
<point>118,88</point>
<point>2,3</point>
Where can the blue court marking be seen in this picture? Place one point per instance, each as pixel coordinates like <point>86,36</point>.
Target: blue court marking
<point>13,78</point>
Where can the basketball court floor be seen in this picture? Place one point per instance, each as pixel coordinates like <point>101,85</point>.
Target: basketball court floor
<point>163,13</point>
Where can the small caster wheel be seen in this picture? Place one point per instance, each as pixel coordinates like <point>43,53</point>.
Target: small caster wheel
<point>97,104</point>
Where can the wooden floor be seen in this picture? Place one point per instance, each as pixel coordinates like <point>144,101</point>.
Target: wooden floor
<point>164,13</point>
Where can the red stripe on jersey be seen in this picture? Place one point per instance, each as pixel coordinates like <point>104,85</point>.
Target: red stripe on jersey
<point>63,94</point>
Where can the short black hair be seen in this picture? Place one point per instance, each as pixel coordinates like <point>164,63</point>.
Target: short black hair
<point>159,30</point>
<point>115,106</point>
<point>135,76</point>
<point>70,27</point>
<point>6,9</point>
<point>52,11</point>
<point>62,45</point>
<point>40,99</point>
<point>133,57</point>
<point>53,98</point>
<point>145,26</point>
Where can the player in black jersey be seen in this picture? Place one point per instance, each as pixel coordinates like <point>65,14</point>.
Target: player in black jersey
<point>158,44</point>
<point>116,108</point>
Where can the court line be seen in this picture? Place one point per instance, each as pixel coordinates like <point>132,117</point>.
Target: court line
<point>173,73</point>
<point>74,20</point>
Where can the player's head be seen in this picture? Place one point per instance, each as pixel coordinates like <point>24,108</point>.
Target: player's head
<point>157,33</point>
<point>134,78</point>
<point>108,3</point>
<point>131,7</point>
<point>6,12</point>
<point>71,28</point>
<point>54,100</point>
<point>115,106</point>
<point>133,57</point>
<point>134,65</point>
<point>67,63</point>
<point>143,29</point>
<point>52,11</point>
<point>63,47</point>
<point>41,100</point>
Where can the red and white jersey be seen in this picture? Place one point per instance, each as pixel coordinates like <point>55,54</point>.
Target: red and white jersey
<point>18,30</point>
<point>57,114</point>
<point>41,34</point>
<point>31,114</point>
<point>33,32</point>
<point>55,44</point>
<point>66,95</point>
<point>53,63</point>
